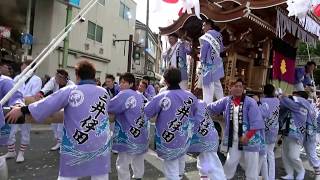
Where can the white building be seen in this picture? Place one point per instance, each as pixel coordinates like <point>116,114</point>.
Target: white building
<point>108,20</point>
<point>149,65</point>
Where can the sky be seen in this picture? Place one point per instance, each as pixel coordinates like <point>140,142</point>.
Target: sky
<point>161,14</point>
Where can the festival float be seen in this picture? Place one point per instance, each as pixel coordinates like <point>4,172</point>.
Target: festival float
<point>260,38</point>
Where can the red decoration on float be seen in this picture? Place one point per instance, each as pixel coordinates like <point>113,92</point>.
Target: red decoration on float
<point>316,10</point>
<point>180,13</point>
<point>171,1</point>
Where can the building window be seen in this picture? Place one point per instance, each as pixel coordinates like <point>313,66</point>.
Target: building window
<point>91,30</point>
<point>94,32</point>
<point>102,2</point>
<point>124,11</point>
<point>151,48</point>
<point>99,32</point>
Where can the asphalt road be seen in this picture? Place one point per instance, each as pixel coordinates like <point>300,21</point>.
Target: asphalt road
<point>42,164</point>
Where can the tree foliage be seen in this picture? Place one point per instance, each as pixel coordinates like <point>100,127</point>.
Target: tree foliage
<point>303,50</point>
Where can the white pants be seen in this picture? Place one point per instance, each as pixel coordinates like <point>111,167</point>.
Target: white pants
<point>311,152</point>
<point>268,166</point>
<point>123,162</point>
<point>173,169</point>
<point>3,168</point>
<point>99,177</point>
<point>263,166</point>
<point>291,157</point>
<point>214,89</point>
<point>251,162</point>
<point>57,129</point>
<point>210,167</point>
<point>184,85</point>
<point>25,133</point>
<point>182,165</point>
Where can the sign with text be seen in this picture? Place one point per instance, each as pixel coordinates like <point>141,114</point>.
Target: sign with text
<point>74,3</point>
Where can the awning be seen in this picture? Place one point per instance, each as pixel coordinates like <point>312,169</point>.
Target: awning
<point>307,29</point>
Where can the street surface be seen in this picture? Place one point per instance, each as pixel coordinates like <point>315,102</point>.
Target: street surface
<point>42,164</point>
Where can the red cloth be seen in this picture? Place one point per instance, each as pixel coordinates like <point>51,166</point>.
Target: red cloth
<point>289,74</point>
<point>251,133</point>
<point>180,12</point>
<point>284,63</point>
<point>316,10</point>
<point>171,1</point>
<point>237,101</point>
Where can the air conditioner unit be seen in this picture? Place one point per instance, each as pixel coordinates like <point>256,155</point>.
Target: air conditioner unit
<point>86,46</point>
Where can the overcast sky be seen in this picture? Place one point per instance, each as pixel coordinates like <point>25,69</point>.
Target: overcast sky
<point>161,14</point>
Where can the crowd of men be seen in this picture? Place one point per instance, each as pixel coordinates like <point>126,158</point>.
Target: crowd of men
<point>116,116</point>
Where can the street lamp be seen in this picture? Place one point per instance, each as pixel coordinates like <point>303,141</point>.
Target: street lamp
<point>131,43</point>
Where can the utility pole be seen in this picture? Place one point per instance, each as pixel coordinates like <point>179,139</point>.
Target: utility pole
<point>130,53</point>
<point>66,40</point>
<point>131,42</point>
<point>26,51</point>
<point>146,38</point>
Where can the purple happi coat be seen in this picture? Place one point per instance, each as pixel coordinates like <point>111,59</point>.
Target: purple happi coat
<point>150,92</point>
<point>251,117</point>
<point>212,64</point>
<point>174,109</point>
<point>270,112</point>
<point>181,51</point>
<point>86,143</point>
<point>2,119</point>
<point>299,116</point>
<point>131,127</point>
<point>317,113</point>
<point>5,129</point>
<point>113,91</point>
<point>205,137</point>
<point>6,84</point>
<point>299,74</point>
<point>116,89</point>
<point>307,80</point>
<point>312,124</point>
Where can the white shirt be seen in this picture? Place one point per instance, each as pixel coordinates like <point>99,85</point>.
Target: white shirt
<point>52,85</point>
<point>32,87</point>
<point>235,123</point>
